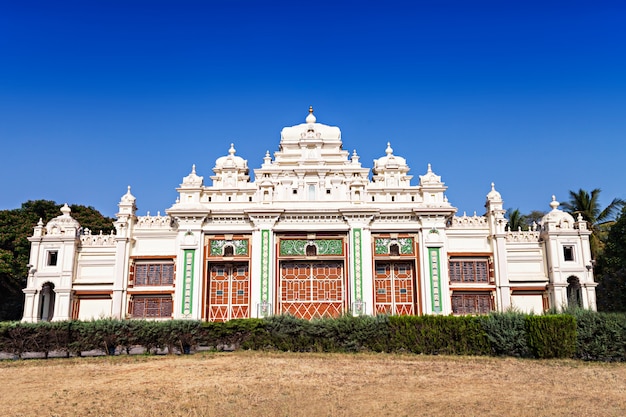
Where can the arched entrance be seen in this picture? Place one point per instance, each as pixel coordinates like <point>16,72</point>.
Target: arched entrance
<point>574,296</point>
<point>46,302</point>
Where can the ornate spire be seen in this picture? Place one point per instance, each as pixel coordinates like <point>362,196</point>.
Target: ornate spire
<point>554,204</point>
<point>311,117</point>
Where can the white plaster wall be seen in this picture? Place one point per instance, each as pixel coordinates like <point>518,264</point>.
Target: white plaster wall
<point>468,244</point>
<point>94,309</point>
<point>528,303</point>
<point>155,247</point>
<point>96,273</point>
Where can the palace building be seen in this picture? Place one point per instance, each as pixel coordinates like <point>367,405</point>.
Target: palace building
<point>314,234</point>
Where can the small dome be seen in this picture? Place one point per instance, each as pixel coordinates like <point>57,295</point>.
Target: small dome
<point>128,197</point>
<point>389,161</point>
<point>64,221</point>
<point>430,178</point>
<point>193,180</point>
<point>231,160</point>
<point>493,194</point>
<point>557,217</point>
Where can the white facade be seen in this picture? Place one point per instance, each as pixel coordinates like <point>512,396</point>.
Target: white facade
<point>314,234</point>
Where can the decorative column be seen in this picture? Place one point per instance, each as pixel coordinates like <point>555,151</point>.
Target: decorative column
<point>497,234</point>
<point>187,294</point>
<point>123,233</point>
<point>262,279</point>
<point>434,267</point>
<point>360,254</point>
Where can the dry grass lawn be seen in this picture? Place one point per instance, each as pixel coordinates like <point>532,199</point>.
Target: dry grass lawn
<point>290,384</point>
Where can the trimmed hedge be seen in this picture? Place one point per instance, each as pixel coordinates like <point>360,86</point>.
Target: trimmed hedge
<point>581,334</point>
<point>552,336</point>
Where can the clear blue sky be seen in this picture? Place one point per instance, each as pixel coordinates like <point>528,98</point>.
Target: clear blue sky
<point>98,95</point>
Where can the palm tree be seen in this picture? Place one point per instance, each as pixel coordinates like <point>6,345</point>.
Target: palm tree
<point>517,221</point>
<point>598,220</point>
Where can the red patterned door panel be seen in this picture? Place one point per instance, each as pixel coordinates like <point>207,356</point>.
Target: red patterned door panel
<point>312,289</point>
<point>229,292</point>
<point>394,288</point>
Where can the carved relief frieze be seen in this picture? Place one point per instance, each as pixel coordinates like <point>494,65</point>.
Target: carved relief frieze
<point>382,245</point>
<point>324,247</point>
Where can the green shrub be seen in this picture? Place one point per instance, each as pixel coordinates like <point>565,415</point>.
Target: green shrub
<point>182,335</point>
<point>350,334</point>
<point>551,336</point>
<point>438,335</point>
<point>288,333</point>
<point>235,334</point>
<point>18,338</point>
<point>506,333</point>
<point>600,336</point>
<point>148,334</point>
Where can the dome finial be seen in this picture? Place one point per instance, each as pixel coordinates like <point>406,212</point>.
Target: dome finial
<point>232,151</point>
<point>311,117</point>
<point>65,210</point>
<point>554,204</point>
<point>389,150</point>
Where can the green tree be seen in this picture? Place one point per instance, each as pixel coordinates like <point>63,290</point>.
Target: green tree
<point>599,220</point>
<point>534,216</point>
<point>15,227</point>
<point>516,220</point>
<point>611,269</point>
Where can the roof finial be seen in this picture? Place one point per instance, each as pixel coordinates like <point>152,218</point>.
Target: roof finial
<point>66,210</point>
<point>554,204</point>
<point>389,150</point>
<point>311,117</point>
<point>231,151</point>
<point>193,169</point>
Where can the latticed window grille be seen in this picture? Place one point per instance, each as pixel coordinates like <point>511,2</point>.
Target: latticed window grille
<point>154,273</point>
<point>469,270</point>
<point>472,303</point>
<point>151,307</point>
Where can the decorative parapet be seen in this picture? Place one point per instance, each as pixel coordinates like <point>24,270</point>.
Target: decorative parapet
<point>468,222</point>
<point>154,222</point>
<point>87,239</point>
<point>522,236</point>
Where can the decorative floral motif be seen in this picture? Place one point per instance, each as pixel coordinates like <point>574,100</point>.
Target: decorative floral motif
<point>240,246</point>
<point>291,247</point>
<point>265,265</point>
<point>382,245</point>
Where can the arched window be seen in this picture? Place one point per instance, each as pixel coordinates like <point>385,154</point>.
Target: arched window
<point>311,250</point>
<point>229,250</point>
<point>574,297</point>
<point>394,249</point>
<point>46,302</point>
